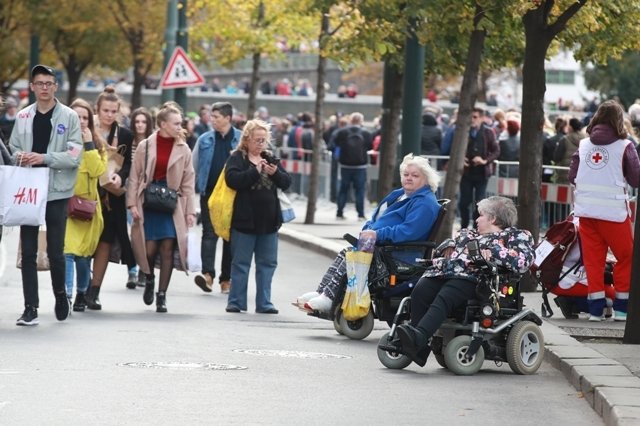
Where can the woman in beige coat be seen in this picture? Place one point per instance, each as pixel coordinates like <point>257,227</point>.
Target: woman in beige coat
<point>168,163</point>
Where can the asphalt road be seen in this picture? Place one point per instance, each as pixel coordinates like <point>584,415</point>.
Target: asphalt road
<point>200,365</point>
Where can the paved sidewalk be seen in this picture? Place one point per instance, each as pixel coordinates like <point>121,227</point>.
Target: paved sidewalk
<point>590,355</point>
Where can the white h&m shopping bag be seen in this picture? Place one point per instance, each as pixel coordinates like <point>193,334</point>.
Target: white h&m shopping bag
<point>23,195</point>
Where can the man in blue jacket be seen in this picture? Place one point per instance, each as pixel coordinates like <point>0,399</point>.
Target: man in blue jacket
<point>47,134</point>
<point>209,156</point>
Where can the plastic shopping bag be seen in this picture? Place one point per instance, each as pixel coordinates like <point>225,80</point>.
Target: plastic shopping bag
<point>23,195</point>
<point>221,207</point>
<point>357,300</point>
<point>288,214</point>
<point>194,260</point>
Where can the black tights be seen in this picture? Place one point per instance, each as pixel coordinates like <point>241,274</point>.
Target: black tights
<point>165,249</point>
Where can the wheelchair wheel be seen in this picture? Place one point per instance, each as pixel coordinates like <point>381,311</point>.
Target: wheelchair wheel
<point>525,348</point>
<point>454,357</point>
<point>337,314</point>
<point>358,329</point>
<point>392,360</point>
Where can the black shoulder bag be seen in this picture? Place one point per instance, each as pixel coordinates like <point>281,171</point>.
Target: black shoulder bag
<point>157,197</point>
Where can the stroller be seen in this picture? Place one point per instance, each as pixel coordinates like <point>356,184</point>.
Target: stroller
<point>494,326</point>
<point>559,270</point>
<point>391,278</point>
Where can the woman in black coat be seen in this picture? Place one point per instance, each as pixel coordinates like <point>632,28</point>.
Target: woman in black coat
<point>114,242</point>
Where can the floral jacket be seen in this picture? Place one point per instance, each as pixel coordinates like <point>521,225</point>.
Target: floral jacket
<point>511,248</point>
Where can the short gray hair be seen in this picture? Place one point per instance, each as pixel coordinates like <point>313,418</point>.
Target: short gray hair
<point>433,178</point>
<point>501,209</point>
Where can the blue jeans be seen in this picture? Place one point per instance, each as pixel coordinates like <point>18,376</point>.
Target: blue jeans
<point>243,248</point>
<point>83,268</point>
<point>208,246</point>
<point>357,177</point>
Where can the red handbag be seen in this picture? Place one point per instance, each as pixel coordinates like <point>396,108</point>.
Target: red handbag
<point>81,208</point>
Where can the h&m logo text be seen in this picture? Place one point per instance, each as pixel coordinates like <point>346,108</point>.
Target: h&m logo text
<point>26,196</point>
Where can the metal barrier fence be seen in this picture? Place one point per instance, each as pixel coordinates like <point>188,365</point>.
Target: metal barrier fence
<point>556,200</point>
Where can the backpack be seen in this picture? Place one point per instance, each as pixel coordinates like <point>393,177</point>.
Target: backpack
<point>353,150</point>
<point>547,268</point>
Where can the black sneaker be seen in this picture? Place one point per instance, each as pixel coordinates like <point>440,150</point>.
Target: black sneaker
<point>132,281</point>
<point>29,317</point>
<point>62,307</point>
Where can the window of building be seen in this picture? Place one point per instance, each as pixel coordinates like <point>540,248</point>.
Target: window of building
<point>561,77</point>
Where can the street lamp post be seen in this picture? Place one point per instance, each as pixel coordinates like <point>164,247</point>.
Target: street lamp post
<point>170,42</point>
<point>413,83</point>
<point>182,41</point>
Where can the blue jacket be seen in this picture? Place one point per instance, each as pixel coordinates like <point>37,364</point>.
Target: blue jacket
<point>203,156</point>
<point>408,220</point>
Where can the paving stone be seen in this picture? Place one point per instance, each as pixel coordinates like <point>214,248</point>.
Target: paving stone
<point>606,398</point>
<point>622,415</point>
<point>588,384</point>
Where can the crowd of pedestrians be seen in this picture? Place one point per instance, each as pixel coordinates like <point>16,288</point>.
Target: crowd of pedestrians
<point>111,158</point>
<point>139,175</point>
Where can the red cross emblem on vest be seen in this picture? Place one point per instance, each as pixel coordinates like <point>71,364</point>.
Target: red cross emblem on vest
<point>596,157</point>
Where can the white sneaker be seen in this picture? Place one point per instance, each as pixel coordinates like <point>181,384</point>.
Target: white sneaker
<point>301,300</point>
<point>321,303</point>
<point>595,318</point>
<point>619,316</point>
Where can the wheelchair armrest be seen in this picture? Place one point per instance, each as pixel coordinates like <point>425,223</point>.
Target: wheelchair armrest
<point>351,239</point>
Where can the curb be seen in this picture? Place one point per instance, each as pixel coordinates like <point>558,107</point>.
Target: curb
<point>608,386</point>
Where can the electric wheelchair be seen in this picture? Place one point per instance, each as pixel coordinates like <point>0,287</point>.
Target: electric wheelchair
<point>394,271</point>
<point>494,326</point>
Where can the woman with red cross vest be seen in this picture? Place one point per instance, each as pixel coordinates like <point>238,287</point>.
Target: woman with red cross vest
<point>602,167</point>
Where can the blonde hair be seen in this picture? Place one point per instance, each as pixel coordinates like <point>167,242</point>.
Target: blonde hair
<point>433,178</point>
<point>167,109</point>
<point>247,132</point>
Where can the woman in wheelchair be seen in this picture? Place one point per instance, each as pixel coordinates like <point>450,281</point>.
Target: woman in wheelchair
<point>406,214</point>
<point>451,280</point>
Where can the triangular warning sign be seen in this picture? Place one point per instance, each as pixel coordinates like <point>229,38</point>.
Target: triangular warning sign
<point>180,72</point>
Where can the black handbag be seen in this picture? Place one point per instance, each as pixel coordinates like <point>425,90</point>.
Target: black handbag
<point>157,197</point>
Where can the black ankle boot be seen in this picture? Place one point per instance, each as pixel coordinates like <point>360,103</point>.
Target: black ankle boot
<point>92,298</point>
<point>161,301</point>
<point>79,304</point>
<point>414,344</point>
<point>149,286</point>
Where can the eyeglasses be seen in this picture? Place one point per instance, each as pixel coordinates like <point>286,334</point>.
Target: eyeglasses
<point>41,84</point>
<point>260,141</point>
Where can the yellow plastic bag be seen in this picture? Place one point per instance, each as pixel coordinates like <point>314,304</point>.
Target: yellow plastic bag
<point>221,207</point>
<point>357,300</point>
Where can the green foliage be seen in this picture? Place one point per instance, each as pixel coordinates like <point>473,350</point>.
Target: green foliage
<point>619,77</point>
<point>14,48</point>
<point>241,33</point>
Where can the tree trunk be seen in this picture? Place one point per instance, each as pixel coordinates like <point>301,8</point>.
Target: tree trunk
<point>533,89</point>
<point>74,71</point>
<point>73,74</point>
<point>482,89</point>
<point>390,128</point>
<point>253,88</point>
<point>317,134</point>
<point>255,69</point>
<point>468,93</point>
<point>138,81</point>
